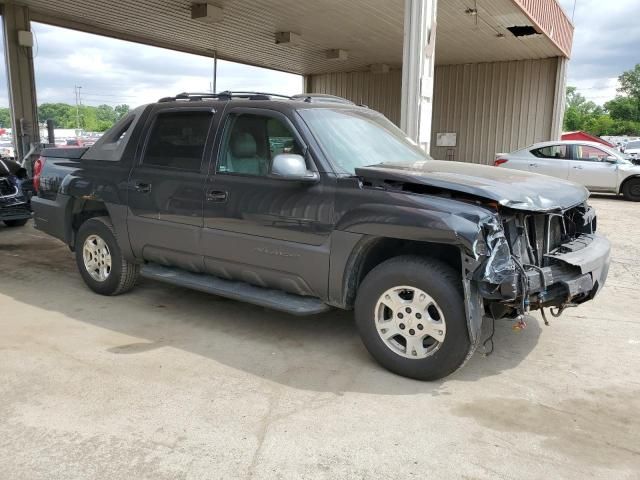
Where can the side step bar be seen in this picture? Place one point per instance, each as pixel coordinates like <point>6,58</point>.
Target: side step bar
<point>264,297</point>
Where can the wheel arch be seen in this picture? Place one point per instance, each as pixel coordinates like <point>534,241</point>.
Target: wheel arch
<point>635,176</point>
<point>84,209</point>
<point>371,251</point>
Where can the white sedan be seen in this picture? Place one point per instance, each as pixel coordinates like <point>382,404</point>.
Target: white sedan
<point>597,167</point>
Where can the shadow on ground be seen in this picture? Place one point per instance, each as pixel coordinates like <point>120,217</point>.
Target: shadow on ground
<point>319,353</point>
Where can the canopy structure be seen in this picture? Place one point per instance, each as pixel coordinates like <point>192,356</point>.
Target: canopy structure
<point>429,66</point>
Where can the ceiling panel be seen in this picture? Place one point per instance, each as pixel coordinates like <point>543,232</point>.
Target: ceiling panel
<point>370,30</point>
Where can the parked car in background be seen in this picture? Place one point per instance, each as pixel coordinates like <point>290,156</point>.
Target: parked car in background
<point>15,194</point>
<point>7,150</point>
<point>632,150</point>
<point>597,167</point>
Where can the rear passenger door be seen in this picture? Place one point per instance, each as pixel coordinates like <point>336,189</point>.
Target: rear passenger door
<point>551,160</point>
<point>165,187</point>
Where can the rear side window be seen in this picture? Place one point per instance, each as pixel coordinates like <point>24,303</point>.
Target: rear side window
<point>177,140</point>
<point>552,151</point>
<point>587,153</point>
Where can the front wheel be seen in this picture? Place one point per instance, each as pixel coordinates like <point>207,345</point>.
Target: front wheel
<point>100,261</point>
<point>631,190</point>
<point>411,317</point>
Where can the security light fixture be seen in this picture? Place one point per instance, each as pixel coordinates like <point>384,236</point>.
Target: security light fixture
<point>336,54</point>
<point>379,68</point>
<point>288,38</point>
<point>206,12</point>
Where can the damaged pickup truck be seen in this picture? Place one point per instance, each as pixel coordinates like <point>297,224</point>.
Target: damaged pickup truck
<point>15,194</point>
<point>305,203</point>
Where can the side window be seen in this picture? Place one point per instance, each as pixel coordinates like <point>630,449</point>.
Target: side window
<point>251,141</point>
<point>177,140</point>
<point>587,153</point>
<point>552,151</point>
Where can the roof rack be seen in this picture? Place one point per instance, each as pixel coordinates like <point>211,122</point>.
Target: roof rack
<point>321,97</point>
<point>226,95</point>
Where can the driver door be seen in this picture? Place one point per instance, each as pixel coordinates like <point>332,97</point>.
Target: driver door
<point>589,167</point>
<point>261,230</point>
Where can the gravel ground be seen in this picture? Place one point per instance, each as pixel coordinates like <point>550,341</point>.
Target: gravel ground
<point>166,383</point>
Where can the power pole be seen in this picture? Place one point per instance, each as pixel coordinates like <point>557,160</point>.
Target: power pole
<point>76,89</point>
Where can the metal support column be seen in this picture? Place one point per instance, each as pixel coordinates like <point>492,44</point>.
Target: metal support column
<point>21,80</point>
<point>559,99</point>
<point>418,63</point>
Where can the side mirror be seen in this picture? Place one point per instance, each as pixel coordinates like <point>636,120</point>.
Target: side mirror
<point>611,159</point>
<point>293,167</point>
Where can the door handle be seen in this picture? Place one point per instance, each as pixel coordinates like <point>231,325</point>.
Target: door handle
<point>217,196</point>
<point>142,187</point>
<point>578,167</point>
<point>535,165</point>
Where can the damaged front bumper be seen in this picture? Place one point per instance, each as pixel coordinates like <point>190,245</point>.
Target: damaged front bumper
<point>576,271</point>
<point>515,269</point>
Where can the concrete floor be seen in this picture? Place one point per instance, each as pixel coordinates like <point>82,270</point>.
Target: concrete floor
<point>166,383</point>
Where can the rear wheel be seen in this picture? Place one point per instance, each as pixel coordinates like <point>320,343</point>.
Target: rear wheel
<point>16,223</point>
<point>411,317</point>
<point>100,261</point>
<point>631,190</point>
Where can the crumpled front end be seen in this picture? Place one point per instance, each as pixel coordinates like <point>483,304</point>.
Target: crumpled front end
<point>530,260</point>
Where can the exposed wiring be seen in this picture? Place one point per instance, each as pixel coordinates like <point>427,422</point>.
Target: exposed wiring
<point>489,339</point>
<point>523,283</point>
<point>544,316</point>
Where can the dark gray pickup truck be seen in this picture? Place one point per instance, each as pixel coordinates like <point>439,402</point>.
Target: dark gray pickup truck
<point>305,203</point>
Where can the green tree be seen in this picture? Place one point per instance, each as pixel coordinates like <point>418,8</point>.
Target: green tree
<point>623,108</point>
<point>90,118</point>
<point>121,110</point>
<point>5,118</point>
<point>579,111</point>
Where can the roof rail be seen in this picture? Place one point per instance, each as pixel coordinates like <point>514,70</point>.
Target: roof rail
<point>321,97</point>
<point>226,95</point>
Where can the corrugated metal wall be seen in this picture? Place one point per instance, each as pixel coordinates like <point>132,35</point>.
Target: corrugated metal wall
<point>493,107</point>
<point>380,91</point>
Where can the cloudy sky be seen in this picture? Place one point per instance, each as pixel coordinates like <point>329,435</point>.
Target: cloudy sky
<point>606,42</point>
<point>113,71</point>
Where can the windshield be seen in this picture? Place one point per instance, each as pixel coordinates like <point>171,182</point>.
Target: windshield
<point>353,138</point>
<point>633,145</point>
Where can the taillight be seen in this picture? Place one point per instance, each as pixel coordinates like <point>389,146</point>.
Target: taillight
<point>37,169</point>
<point>500,161</point>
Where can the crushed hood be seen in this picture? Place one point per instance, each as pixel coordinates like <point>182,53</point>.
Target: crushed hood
<point>510,188</point>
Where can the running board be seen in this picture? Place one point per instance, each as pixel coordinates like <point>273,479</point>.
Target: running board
<point>264,297</point>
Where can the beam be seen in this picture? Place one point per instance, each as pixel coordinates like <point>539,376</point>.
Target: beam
<point>559,99</point>
<point>21,79</point>
<point>418,63</point>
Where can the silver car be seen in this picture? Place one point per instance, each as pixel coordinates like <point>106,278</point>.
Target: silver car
<point>597,167</point>
<point>632,150</point>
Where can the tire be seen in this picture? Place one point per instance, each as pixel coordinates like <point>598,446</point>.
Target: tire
<point>16,223</point>
<point>631,190</point>
<point>442,287</point>
<point>96,240</point>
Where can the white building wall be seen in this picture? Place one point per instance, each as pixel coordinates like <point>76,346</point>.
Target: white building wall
<point>491,107</point>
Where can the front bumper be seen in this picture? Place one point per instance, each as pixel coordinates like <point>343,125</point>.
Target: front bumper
<point>574,273</point>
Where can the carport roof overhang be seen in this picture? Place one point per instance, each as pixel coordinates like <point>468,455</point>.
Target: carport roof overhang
<point>371,31</point>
